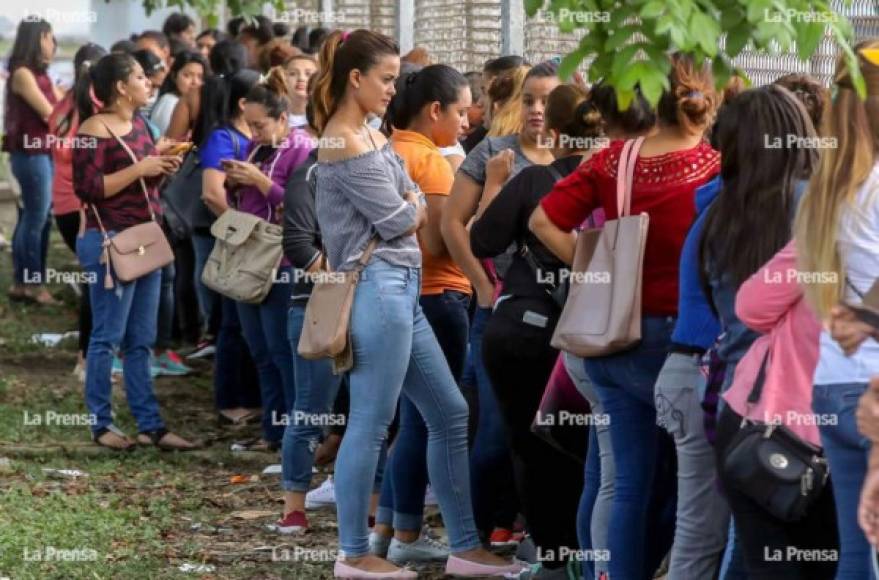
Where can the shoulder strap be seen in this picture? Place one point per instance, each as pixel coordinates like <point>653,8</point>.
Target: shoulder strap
<point>760,380</point>
<point>134,160</point>
<point>626,174</point>
<point>556,176</point>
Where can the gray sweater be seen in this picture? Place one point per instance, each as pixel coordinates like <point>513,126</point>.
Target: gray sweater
<point>363,195</point>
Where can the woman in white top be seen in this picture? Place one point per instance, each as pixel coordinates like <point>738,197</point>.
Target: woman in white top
<point>299,69</point>
<point>186,73</point>
<point>837,228</point>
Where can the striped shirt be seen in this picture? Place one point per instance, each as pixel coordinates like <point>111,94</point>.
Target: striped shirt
<point>363,195</point>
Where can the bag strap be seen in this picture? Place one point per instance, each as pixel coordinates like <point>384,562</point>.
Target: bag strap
<point>626,174</point>
<point>134,160</point>
<point>757,390</point>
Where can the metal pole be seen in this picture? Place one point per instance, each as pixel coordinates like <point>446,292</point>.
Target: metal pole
<point>405,25</point>
<point>512,27</point>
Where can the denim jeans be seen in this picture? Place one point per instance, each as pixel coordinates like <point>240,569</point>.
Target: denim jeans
<point>264,327</point>
<point>847,451</point>
<point>495,502</point>
<point>166,308</point>
<point>396,350</point>
<point>203,245</point>
<point>641,532</point>
<point>703,514</point>
<point>316,389</point>
<point>236,383</point>
<point>593,512</point>
<point>123,316</point>
<point>402,497</point>
<point>30,240</point>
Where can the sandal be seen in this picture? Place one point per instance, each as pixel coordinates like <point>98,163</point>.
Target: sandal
<point>243,420</point>
<point>257,444</point>
<point>118,441</point>
<point>158,437</point>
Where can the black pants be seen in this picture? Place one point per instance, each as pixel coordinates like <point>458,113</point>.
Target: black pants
<point>186,313</point>
<point>770,545</point>
<point>68,225</point>
<point>519,361</point>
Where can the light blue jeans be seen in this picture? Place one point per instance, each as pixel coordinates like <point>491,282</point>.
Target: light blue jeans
<point>30,240</point>
<point>396,350</point>
<point>593,513</point>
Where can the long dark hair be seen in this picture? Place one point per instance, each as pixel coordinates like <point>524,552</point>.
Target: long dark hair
<point>219,101</point>
<point>181,60</point>
<point>751,218</point>
<point>112,68</point>
<point>227,58</point>
<point>84,59</point>
<point>27,51</point>
<point>638,118</point>
<point>338,56</point>
<point>416,89</point>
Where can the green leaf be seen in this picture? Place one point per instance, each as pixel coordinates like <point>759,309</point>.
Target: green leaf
<point>532,6</point>
<point>570,62</point>
<point>622,59</point>
<point>706,32</point>
<point>809,35</point>
<point>620,37</point>
<point>652,9</point>
<point>737,39</point>
<point>653,83</point>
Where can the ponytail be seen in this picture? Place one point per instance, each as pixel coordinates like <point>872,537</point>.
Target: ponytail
<point>219,101</point>
<point>271,93</point>
<point>103,76</point>
<point>82,92</point>
<point>341,53</point>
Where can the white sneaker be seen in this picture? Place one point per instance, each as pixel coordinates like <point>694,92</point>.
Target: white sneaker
<point>425,549</point>
<point>322,497</point>
<point>429,497</point>
<point>378,545</point>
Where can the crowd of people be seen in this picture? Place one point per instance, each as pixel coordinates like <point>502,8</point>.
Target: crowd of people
<point>729,436</point>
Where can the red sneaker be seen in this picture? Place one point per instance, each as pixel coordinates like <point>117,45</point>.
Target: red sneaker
<point>292,523</point>
<point>501,537</point>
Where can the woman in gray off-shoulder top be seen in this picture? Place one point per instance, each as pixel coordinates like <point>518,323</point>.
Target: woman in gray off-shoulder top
<point>361,192</point>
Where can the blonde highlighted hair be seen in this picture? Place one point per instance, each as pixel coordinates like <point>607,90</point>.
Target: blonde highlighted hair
<point>842,170</point>
<point>505,91</point>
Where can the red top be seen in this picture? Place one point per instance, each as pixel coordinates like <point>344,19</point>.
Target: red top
<point>95,157</point>
<point>664,188</point>
<point>26,131</point>
<point>64,201</point>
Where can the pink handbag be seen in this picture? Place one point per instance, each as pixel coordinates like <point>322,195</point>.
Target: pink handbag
<point>602,314</point>
<point>138,250</point>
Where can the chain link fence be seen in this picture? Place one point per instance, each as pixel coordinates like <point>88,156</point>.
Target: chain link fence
<point>466,33</point>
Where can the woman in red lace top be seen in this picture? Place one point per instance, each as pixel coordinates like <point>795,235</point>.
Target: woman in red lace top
<point>672,163</point>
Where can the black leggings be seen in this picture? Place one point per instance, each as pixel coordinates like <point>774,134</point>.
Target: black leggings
<point>519,361</point>
<point>770,545</point>
<point>68,225</point>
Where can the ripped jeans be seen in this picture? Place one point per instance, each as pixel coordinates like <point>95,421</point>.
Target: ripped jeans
<point>316,388</point>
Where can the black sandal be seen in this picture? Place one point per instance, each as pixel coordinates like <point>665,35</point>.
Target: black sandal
<point>96,436</point>
<point>156,437</point>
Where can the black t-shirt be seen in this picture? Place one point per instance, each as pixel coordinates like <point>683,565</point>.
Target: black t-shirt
<point>505,222</point>
<point>473,139</point>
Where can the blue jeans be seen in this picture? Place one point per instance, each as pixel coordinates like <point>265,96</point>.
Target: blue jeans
<point>264,327</point>
<point>495,503</point>
<point>166,308</point>
<point>30,240</point>
<point>202,246</point>
<point>396,350</point>
<point>316,388</point>
<point>624,382</point>
<point>593,512</point>
<point>125,316</point>
<point>402,497</point>
<point>846,450</point>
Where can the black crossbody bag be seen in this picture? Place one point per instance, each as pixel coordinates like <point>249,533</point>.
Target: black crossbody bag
<point>772,466</point>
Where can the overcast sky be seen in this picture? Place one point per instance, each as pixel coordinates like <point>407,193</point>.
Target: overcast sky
<point>68,17</point>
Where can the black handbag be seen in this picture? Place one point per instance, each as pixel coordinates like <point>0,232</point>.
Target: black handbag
<point>771,465</point>
<point>184,209</point>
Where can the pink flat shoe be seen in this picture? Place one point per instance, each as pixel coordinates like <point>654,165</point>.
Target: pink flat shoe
<point>456,566</point>
<point>343,570</point>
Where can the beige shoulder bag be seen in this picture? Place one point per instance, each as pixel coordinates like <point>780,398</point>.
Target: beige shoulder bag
<point>602,314</point>
<point>138,250</point>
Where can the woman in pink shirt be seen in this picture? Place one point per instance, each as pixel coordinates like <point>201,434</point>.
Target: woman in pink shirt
<point>772,302</point>
<point>66,207</point>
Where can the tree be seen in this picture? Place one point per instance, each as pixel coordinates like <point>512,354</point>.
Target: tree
<point>630,39</point>
<point>208,10</point>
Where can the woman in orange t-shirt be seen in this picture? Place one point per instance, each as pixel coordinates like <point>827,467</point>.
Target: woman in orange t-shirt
<point>429,111</point>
